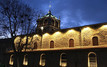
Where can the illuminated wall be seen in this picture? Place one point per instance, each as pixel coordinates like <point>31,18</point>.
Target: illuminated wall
<point>87,33</point>
<point>33,42</point>
<point>61,39</point>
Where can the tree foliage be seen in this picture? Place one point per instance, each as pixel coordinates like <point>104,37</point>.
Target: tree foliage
<point>17,18</point>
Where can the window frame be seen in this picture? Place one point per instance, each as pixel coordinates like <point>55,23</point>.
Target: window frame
<point>94,43</point>
<point>51,44</point>
<point>25,60</point>
<point>11,61</point>
<point>71,42</point>
<point>61,60</point>
<point>89,64</point>
<point>42,61</point>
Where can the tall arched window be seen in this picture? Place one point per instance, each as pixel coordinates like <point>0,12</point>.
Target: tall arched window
<point>92,60</point>
<point>52,44</point>
<point>63,60</point>
<point>11,60</point>
<point>42,60</point>
<point>25,60</point>
<point>71,43</point>
<point>95,41</point>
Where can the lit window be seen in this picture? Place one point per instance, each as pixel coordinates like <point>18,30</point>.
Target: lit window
<point>52,44</point>
<point>92,60</point>
<point>71,43</point>
<point>42,60</point>
<point>95,41</point>
<point>25,60</point>
<point>63,60</point>
<point>11,60</point>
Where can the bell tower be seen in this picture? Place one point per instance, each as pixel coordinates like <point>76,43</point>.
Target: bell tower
<point>48,23</point>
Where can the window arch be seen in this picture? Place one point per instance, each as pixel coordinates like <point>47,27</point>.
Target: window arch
<point>56,24</point>
<point>63,60</point>
<point>11,60</point>
<point>95,41</point>
<point>25,60</point>
<point>51,44</point>
<point>42,60</point>
<point>71,43</point>
<point>92,60</point>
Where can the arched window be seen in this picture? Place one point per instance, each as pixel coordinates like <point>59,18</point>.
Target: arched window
<point>92,60</point>
<point>11,60</point>
<point>46,22</point>
<point>71,43</point>
<point>95,41</point>
<point>63,60</point>
<point>52,44</point>
<point>35,45</point>
<point>42,60</point>
<point>25,60</point>
<point>56,24</point>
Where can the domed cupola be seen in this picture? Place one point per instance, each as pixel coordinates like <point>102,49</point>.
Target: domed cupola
<point>47,23</point>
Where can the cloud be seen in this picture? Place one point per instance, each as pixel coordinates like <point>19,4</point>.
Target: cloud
<point>74,12</point>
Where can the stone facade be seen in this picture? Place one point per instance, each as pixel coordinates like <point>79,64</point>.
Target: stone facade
<point>82,37</point>
<point>84,46</point>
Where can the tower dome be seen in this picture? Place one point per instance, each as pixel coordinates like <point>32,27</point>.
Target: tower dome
<point>48,23</point>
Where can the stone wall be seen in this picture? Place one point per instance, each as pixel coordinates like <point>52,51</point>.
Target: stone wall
<point>61,39</point>
<point>87,33</point>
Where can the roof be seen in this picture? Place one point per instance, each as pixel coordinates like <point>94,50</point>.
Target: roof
<point>49,14</point>
<point>64,30</point>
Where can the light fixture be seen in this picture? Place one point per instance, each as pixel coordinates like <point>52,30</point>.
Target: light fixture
<point>86,28</point>
<point>41,28</point>
<point>105,25</point>
<point>70,30</point>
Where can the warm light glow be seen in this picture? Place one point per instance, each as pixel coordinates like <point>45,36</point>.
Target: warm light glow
<point>25,37</point>
<point>63,60</point>
<point>104,25</point>
<point>17,39</point>
<point>11,60</point>
<point>86,28</point>
<point>92,60</point>
<point>25,61</point>
<point>57,32</point>
<point>41,28</point>
<point>42,60</point>
<point>46,34</point>
<point>70,30</point>
<point>35,35</point>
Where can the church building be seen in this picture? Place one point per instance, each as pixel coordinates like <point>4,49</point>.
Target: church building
<point>50,46</point>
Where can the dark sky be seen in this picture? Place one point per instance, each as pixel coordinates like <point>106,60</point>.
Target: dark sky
<point>73,13</point>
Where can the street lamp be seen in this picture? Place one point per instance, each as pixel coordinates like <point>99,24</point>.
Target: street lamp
<point>41,35</point>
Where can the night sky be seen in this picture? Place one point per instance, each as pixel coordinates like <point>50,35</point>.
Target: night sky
<point>73,13</point>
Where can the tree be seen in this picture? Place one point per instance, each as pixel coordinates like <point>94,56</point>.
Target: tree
<point>17,19</point>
